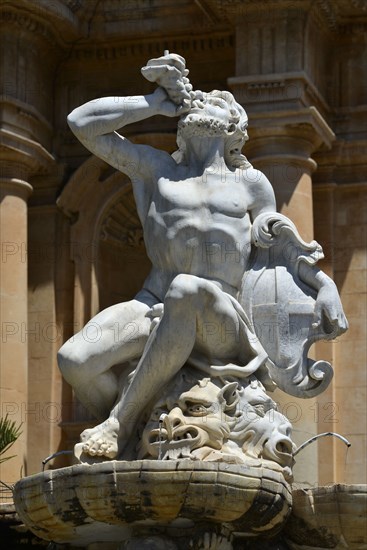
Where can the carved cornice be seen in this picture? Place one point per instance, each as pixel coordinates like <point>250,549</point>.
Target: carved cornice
<point>50,21</point>
<point>170,14</point>
<point>25,119</point>
<point>17,187</point>
<point>25,21</point>
<point>21,150</point>
<point>292,134</point>
<point>137,19</point>
<point>69,20</point>
<point>329,14</point>
<point>278,90</point>
<point>147,48</point>
<point>238,11</point>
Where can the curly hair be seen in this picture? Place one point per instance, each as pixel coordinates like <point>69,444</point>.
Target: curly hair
<point>235,133</point>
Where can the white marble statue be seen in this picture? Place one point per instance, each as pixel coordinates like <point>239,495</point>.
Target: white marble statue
<point>203,210</point>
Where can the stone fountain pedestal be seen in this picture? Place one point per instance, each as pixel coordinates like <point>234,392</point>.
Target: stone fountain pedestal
<point>154,504</point>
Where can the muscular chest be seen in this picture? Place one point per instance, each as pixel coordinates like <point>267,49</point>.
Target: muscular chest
<point>204,195</point>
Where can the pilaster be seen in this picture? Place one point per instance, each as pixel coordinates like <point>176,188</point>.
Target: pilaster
<point>282,51</point>
<point>33,37</point>
<point>13,315</point>
<point>281,145</point>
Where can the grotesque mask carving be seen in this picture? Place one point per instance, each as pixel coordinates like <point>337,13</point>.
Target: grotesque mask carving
<point>211,420</point>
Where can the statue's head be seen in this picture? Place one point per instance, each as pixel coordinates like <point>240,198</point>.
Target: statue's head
<point>215,114</point>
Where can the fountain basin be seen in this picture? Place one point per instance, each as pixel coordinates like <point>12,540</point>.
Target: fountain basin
<point>114,500</point>
<point>333,516</point>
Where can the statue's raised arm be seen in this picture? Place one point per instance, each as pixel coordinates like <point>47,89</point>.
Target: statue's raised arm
<point>95,123</point>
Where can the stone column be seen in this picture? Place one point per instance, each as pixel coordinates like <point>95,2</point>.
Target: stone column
<point>14,192</point>
<point>34,36</point>
<point>19,159</point>
<point>282,90</point>
<point>281,144</point>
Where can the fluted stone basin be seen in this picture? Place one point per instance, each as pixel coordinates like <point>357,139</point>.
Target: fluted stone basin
<point>328,517</point>
<point>115,500</point>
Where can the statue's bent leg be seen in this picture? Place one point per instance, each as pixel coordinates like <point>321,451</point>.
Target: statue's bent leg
<point>115,335</point>
<point>196,313</point>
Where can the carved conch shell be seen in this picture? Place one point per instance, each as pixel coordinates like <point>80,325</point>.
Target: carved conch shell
<point>169,72</point>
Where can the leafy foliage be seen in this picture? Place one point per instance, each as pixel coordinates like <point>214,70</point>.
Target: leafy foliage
<point>9,433</point>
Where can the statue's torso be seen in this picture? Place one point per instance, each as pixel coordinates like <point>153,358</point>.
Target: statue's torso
<point>198,225</point>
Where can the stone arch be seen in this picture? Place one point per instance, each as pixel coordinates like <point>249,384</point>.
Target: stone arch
<point>122,263</point>
<point>105,238</point>
<point>106,248</point>
<point>105,232</point>
<point>103,229</point>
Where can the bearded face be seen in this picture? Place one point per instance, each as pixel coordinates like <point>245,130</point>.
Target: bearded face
<point>213,114</point>
<point>200,125</point>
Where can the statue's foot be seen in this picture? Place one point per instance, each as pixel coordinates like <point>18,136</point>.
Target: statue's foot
<point>101,440</point>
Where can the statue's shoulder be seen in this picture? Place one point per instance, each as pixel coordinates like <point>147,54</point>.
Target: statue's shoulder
<point>259,189</point>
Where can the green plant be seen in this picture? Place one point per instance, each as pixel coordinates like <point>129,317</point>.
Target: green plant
<point>9,433</point>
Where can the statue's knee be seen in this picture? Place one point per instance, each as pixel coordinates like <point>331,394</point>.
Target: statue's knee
<point>183,287</point>
<point>68,361</point>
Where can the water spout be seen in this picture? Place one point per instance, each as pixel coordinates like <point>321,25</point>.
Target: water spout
<point>160,422</point>
<point>48,458</point>
<point>312,439</point>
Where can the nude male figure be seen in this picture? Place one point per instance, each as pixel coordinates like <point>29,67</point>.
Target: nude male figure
<point>196,212</point>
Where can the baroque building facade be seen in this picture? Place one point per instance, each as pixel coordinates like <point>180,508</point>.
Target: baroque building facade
<point>71,241</point>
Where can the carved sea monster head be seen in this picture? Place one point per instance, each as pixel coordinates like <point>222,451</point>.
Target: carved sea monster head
<point>212,420</point>
<point>192,423</point>
<point>261,431</point>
